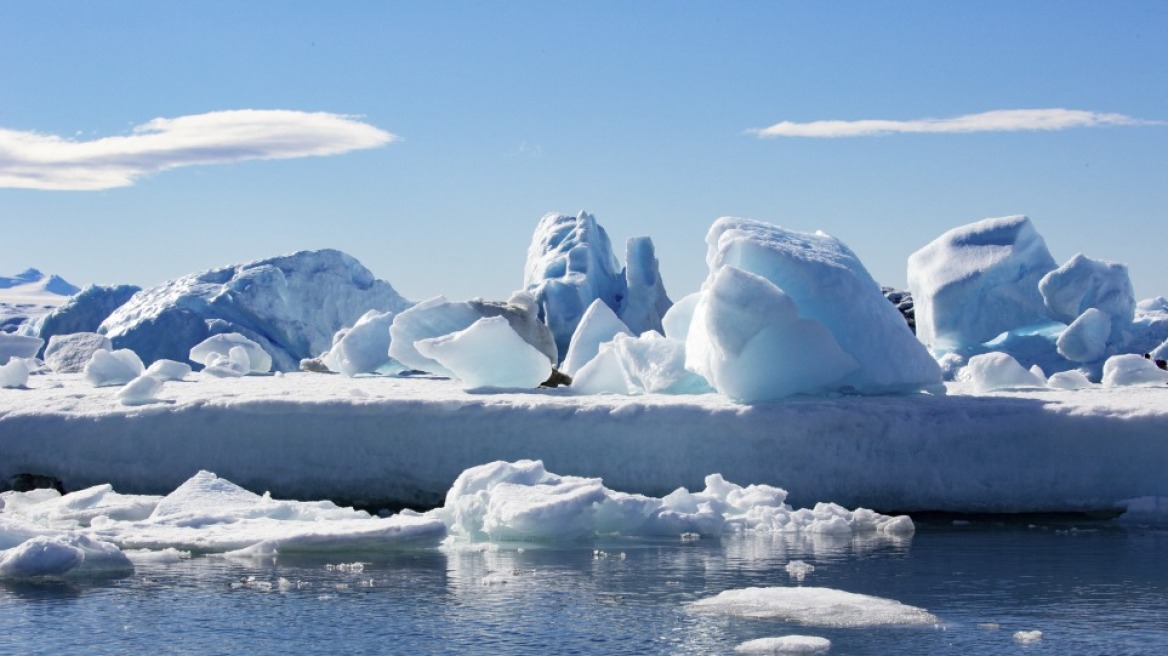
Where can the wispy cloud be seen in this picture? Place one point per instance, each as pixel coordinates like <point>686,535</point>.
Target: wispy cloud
<point>1003,120</point>
<point>30,160</point>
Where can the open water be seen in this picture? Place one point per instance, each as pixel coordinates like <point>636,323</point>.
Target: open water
<point>1090,588</point>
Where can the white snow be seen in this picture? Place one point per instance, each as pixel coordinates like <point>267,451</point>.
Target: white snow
<point>598,325</point>
<point>789,644</point>
<point>1131,369</point>
<point>489,353</point>
<point>14,373</point>
<point>28,296</point>
<point>828,284</point>
<point>995,371</point>
<point>220,346</point>
<point>977,281</point>
<point>18,346</point>
<point>68,354</point>
<point>385,440</point>
<point>117,367</point>
<point>819,607</point>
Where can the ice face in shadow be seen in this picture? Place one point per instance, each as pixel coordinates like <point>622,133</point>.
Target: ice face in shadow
<point>810,606</point>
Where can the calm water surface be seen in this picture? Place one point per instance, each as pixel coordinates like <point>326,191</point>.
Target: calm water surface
<point>1090,589</point>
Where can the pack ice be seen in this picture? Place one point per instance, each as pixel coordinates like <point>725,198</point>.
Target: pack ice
<point>290,305</point>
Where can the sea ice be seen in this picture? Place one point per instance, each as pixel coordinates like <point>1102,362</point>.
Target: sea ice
<point>53,556</point>
<point>598,325</point>
<point>789,644</point>
<point>14,373</point>
<point>489,353</point>
<point>165,370</point>
<point>1083,283</point>
<point>829,284</point>
<point>809,606</point>
<point>1132,370</point>
<point>364,348</point>
<point>290,305</point>
<point>438,317</point>
<point>68,354</point>
<point>1027,637</point>
<point>18,346</point>
<point>748,340</point>
<point>117,367</point>
<point>216,347</point>
<point>977,281</point>
<point>140,391</point>
<point>994,371</point>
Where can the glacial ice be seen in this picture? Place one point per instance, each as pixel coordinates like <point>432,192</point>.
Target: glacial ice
<point>117,367</point>
<point>977,281</point>
<point>645,301</point>
<point>236,363</point>
<point>489,353</point>
<point>83,312</point>
<point>810,606</point>
<point>598,325</point>
<point>677,320</point>
<point>648,364</point>
<point>217,347</point>
<point>290,305</point>
<point>364,348</point>
<point>67,354</point>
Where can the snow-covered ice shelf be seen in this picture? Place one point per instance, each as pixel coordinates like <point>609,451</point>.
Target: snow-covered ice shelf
<point>385,441</point>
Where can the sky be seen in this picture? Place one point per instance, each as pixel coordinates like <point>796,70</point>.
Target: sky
<point>141,141</point>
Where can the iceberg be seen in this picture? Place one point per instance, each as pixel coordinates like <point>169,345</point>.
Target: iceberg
<point>489,353</point>
<point>645,301</point>
<point>290,305</point>
<point>1082,284</point>
<point>977,281</point>
<point>83,312</point>
<point>647,364</point>
<point>829,285</point>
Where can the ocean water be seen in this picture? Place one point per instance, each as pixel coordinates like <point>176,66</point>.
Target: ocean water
<point>1090,588</point>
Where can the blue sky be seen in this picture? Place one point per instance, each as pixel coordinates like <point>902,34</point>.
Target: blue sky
<point>466,122</point>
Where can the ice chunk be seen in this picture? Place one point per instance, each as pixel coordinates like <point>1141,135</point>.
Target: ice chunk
<point>1083,283</point>
<point>977,281</point>
<point>116,367</point>
<point>1039,374</point>
<point>645,301</point>
<point>677,320</point>
<point>83,312</point>
<point>18,346</point>
<point>1069,380</point>
<point>1027,637</point>
<point>140,391</point>
<point>219,346</point>
<point>61,555</point>
<point>290,305</point>
<point>748,340</point>
<point>14,373</point>
<point>598,325</point>
<point>1132,370</point>
<point>488,354</point>
<point>993,371</point>
<point>634,365</point>
<point>165,370</point>
<point>829,284</point>
<point>364,348</point>
<point>235,363</point>
<point>798,570</point>
<point>67,354</point>
<point>438,317</point>
<point>789,644</point>
<point>1085,340</point>
<point>604,374</point>
<point>821,607</point>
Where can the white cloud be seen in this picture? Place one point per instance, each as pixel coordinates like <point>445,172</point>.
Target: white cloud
<point>29,160</point>
<point>1003,120</point>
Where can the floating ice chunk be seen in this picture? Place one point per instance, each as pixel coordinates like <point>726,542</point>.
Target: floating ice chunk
<point>821,607</point>
<point>488,354</point>
<point>1085,340</point>
<point>645,301</point>
<point>63,554</point>
<point>1083,283</point>
<point>677,320</point>
<point>117,367</point>
<point>748,340</point>
<point>977,281</point>
<point>798,570</point>
<point>140,391</point>
<point>18,346</point>
<point>598,325</point>
<point>165,370</point>
<point>994,371</point>
<point>1132,370</point>
<point>68,354</point>
<point>790,644</point>
<point>206,351</point>
<point>364,348</point>
<point>829,284</point>
<point>438,317</point>
<point>1027,637</point>
<point>1068,380</point>
<point>14,374</point>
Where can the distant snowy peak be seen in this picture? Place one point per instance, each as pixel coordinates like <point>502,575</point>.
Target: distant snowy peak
<point>31,281</point>
<point>291,305</point>
<point>29,295</point>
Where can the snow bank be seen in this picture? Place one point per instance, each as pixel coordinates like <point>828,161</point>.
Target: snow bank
<point>68,354</point>
<point>829,286</point>
<point>977,281</point>
<point>489,353</point>
<point>820,607</point>
<point>290,305</point>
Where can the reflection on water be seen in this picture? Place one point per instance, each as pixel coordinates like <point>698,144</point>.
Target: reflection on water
<point>1095,589</point>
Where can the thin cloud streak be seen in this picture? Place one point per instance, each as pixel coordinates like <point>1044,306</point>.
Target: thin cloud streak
<point>30,160</point>
<point>1003,120</point>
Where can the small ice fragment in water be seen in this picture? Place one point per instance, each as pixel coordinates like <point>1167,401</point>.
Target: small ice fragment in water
<point>790,644</point>
<point>1027,637</point>
<point>798,570</point>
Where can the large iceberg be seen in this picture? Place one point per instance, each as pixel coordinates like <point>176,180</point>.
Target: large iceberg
<point>977,281</point>
<point>570,264</point>
<point>82,313</point>
<point>826,284</point>
<point>290,305</point>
